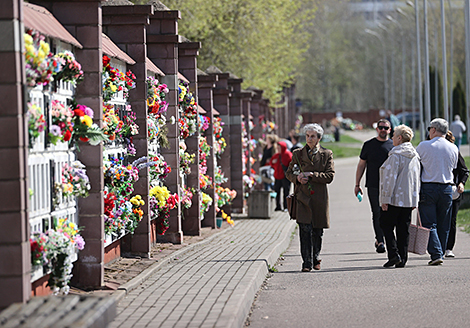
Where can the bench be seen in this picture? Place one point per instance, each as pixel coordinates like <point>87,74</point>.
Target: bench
<point>60,311</point>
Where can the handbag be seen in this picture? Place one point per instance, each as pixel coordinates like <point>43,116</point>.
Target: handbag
<point>419,238</point>
<point>292,206</point>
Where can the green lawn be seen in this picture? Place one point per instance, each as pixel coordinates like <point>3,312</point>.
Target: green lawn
<point>463,219</point>
<point>341,151</point>
<point>343,148</point>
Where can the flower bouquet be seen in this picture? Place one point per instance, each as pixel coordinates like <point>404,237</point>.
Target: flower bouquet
<point>206,203</point>
<point>115,81</point>
<point>204,122</point>
<point>186,160</point>
<point>186,197</point>
<point>83,127</point>
<point>70,70</point>
<point>161,202</point>
<point>36,122</point>
<point>160,168</point>
<point>38,243</point>
<point>61,127</point>
<point>74,182</point>
<point>40,64</point>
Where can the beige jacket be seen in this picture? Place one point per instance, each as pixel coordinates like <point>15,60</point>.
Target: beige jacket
<point>400,177</point>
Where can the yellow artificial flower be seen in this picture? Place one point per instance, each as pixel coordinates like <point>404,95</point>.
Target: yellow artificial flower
<point>87,120</point>
<point>28,39</point>
<point>113,87</point>
<point>44,46</point>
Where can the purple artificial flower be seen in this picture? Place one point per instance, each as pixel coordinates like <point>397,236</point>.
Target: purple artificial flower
<point>55,130</point>
<point>80,242</point>
<point>88,111</point>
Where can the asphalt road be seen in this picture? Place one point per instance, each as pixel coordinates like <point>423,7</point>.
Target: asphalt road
<point>353,289</point>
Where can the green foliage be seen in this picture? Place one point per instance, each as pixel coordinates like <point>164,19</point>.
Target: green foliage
<point>259,41</point>
<point>440,96</point>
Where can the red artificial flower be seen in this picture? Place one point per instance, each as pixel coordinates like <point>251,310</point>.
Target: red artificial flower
<point>78,112</point>
<point>84,139</point>
<point>67,135</point>
<point>106,61</point>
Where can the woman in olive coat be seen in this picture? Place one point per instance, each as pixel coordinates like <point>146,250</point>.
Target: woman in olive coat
<point>311,169</point>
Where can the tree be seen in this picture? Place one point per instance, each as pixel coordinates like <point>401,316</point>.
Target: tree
<point>259,41</point>
<point>459,103</point>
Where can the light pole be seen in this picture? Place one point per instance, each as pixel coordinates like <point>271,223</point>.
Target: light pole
<point>413,73</point>
<point>451,70</point>
<point>418,55</point>
<point>467,62</point>
<point>444,62</point>
<point>403,56</point>
<point>392,72</point>
<point>427,96</point>
<point>377,35</point>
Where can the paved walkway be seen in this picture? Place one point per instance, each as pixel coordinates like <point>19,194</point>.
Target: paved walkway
<point>353,289</point>
<point>211,284</point>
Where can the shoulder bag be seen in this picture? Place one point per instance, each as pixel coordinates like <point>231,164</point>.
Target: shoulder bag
<point>292,198</point>
<point>419,237</point>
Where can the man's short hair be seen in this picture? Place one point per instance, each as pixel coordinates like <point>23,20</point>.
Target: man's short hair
<point>383,120</point>
<point>404,131</point>
<point>440,125</point>
<point>314,127</point>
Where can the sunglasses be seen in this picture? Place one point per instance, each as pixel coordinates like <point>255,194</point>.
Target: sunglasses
<point>429,128</point>
<point>383,127</point>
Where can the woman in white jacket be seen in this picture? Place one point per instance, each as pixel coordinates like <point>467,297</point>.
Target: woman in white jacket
<point>399,195</point>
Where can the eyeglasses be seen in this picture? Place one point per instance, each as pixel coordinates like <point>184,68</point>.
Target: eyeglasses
<point>383,127</point>
<point>430,127</point>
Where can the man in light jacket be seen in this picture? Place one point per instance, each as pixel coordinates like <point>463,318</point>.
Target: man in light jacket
<point>438,158</point>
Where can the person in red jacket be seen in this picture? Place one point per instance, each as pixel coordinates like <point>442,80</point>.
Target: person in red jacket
<point>280,162</point>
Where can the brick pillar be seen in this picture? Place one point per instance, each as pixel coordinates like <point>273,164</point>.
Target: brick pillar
<point>126,26</point>
<point>187,65</point>
<point>162,48</point>
<point>257,130</point>
<point>222,104</point>
<point>15,263</point>
<point>82,18</point>
<point>206,83</point>
<point>246,110</point>
<point>236,169</point>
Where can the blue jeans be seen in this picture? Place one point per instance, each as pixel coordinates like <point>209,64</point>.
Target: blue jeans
<point>435,209</point>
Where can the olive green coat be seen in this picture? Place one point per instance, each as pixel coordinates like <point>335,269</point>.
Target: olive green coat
<point>313,203</point>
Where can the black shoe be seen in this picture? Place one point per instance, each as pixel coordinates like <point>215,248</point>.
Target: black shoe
<point>400,265</point>
<point>392,262</point>
<point>278,209</point>
<point>380,248</point>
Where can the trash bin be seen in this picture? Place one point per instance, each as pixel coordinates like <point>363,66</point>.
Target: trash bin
<point>260,204</point>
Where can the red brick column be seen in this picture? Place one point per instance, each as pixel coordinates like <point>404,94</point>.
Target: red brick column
<point>206,83</point>
<point>257,130</point>
<point>187,65</point>
<point>236,168</point>
<point>222,105</point>
<point>246,109</point>
<point>127,27</point>
<point>15,263</point>
<point>83,20</point>
<point>162,48</point>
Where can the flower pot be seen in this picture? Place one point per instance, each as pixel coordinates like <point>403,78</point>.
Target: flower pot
<point>219,222</point>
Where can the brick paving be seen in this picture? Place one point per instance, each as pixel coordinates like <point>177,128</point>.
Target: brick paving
<point>211,284</point>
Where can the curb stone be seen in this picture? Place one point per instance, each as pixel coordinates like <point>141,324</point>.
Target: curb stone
<point>244,302</point>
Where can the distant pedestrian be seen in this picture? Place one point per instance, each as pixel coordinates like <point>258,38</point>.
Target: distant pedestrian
<point>399,191</point>
<point>373,154</point>
<point>394,121</point>
<point>460,178</point>
<point>279,162</point>
<point>458,128</point>
<point>268,152</point>
<point>438,158</point>
<point>311,169</point>
<point>295,141</point>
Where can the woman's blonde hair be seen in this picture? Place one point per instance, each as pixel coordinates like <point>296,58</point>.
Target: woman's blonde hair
<point>405,132</point>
